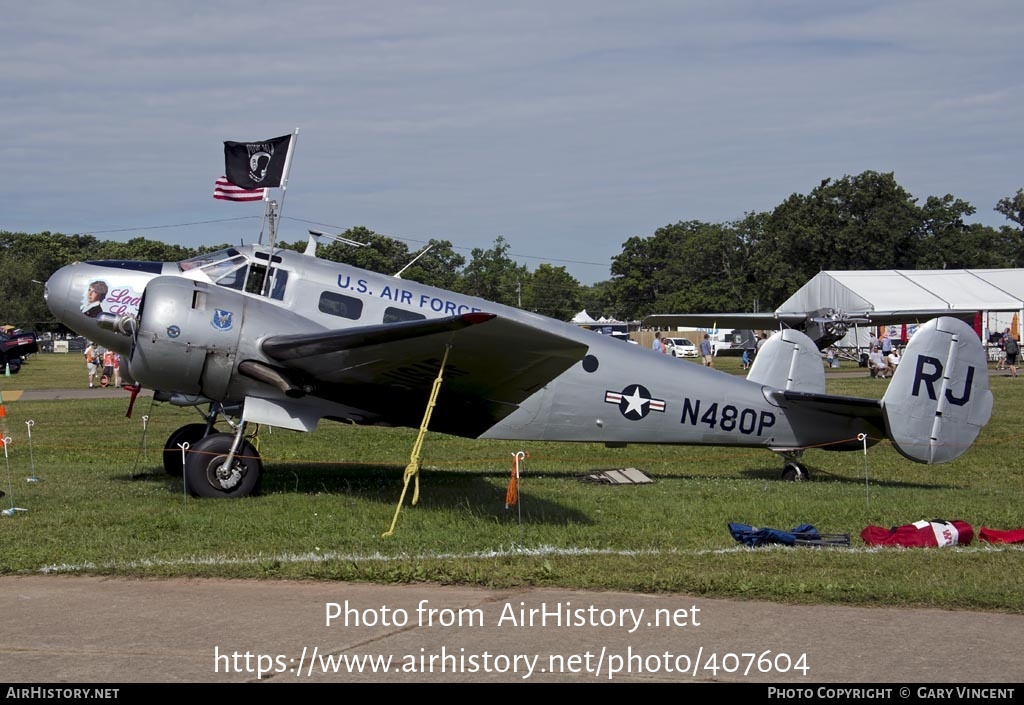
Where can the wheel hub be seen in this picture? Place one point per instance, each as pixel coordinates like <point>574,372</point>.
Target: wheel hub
<point>224,477</point>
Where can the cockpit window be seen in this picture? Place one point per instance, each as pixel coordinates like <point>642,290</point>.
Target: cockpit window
<point>218,270</point>
<point>209,258</point>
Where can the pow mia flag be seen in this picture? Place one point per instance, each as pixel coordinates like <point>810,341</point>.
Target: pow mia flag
<point>253,165</point>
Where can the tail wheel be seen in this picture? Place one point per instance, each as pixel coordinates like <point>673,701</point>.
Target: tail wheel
<point>191,433</point>
<point>208,475</point>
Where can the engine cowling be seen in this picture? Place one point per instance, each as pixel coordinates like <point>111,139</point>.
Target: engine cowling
<point>188,336</point>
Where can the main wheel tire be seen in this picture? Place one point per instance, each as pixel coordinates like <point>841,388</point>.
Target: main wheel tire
<point>795,472</point>
<point>208,476</point>
<point>191,433</point>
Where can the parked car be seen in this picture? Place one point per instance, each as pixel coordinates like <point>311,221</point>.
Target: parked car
<point>681,347</point>
<point>15,346</point>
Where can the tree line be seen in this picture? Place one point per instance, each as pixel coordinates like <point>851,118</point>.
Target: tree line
<point>861,222</point>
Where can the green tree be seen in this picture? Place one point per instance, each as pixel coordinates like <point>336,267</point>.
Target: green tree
<point>947,242</point>
<point>686,267</point>
<point>440,266</point>
<point>858,222</point>
<point>493,275</point>
<point>26,262</point>
<point>381,254</point>
<point>553,292</point>
<point>600,299</point>
<point>1013,207</point>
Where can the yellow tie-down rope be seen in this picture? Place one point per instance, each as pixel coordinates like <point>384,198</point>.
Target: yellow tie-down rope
<point>412,470</point>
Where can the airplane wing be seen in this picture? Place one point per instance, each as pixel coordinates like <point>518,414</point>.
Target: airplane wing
<point>387,371</point>
<point>797,319</point>
<point>751,321</point>
<point>885,318</point>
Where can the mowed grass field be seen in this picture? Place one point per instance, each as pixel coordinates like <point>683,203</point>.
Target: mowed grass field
<point>104,505</point>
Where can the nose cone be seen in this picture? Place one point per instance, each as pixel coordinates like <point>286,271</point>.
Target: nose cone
<point>58,292</point>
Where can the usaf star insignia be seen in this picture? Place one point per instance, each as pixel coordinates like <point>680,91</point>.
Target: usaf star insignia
<point>634,401</point>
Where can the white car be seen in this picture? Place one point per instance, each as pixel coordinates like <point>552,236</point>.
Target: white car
<point>681,347</point>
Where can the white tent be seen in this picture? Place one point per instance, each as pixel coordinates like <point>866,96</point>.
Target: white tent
<point>583,318</point>
<point>995,293</point>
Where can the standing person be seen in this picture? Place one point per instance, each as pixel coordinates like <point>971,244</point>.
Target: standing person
<point>760,344</point>
<point>117,370</point>
<point>1001,344</point>
<point>91,363</point>
<point>705,350</point>
<point>109,360</point>
<point>1012,348</point>
<point>886,345</point>
<point>658,345</point>
<point>746,359</point>
<point>830,358</point>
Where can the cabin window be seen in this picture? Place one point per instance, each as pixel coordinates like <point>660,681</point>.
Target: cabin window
<point>334,304</point>
<point>280,281</point>
<point>394,315</point>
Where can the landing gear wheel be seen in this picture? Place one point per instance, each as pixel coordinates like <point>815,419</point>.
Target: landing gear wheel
<point>191,433</point>
<point>207,474</point>
<point>795,472</point>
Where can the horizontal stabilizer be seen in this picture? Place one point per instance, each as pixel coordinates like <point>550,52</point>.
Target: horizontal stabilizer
<point>938,401</point>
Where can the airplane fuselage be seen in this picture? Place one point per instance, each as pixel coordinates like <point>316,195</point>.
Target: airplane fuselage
<point>613,393</point>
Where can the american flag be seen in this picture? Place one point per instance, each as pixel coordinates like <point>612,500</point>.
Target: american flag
<point>224,190</point>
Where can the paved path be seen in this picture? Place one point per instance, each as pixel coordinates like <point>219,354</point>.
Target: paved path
<point>101,630</point>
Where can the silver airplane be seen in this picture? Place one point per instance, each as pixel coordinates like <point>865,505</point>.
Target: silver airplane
<point>257,335</point>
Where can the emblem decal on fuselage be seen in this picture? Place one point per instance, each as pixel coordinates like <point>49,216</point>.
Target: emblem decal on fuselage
<point>222,319</point>
<point>173,331</point>
<point>634,401</point>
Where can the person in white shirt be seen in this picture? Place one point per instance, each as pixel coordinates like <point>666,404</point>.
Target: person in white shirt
<point>893,360</point>
<point>877,363</point>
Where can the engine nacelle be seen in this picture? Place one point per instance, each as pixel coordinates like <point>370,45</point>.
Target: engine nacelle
<point>188,335</point>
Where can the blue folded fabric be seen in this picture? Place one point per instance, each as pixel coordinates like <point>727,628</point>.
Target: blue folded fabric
<point>753,536</point>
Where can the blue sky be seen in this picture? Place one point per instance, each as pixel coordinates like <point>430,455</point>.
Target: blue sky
<point>566,127</point>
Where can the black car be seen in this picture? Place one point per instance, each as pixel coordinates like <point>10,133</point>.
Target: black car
<point>15,346</point>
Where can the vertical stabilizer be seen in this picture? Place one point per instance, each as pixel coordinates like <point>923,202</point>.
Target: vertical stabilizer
<point>938,401</point>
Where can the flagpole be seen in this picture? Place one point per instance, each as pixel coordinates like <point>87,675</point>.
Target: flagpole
<point>284,180</point>
<point>287,167</point>
<point>275,217</point>
<point>269,211</point>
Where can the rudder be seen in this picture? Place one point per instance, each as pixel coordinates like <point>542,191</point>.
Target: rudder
<point>938,401</point>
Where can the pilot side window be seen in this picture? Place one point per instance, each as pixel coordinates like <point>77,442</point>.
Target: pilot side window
<point>394,315</point>
<point>335,304</point>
